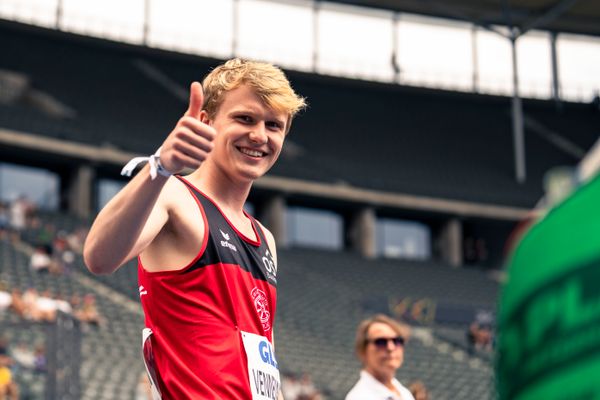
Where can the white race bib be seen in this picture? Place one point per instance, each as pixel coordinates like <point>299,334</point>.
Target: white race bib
<point>262,367</point>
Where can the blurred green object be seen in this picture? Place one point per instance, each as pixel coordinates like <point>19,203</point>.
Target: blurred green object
<point>549,313</point>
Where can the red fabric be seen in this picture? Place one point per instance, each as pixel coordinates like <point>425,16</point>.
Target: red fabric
<point>196,313</point>
<point>197,343</point>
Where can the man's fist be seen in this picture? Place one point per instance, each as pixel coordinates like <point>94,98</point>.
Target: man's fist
<point>191,140</point>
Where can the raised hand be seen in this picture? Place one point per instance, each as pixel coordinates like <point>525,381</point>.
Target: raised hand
<point>190,142</point>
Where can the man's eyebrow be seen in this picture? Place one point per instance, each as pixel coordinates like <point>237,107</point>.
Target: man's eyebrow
<point>279,120</point>
<point>252,110</point>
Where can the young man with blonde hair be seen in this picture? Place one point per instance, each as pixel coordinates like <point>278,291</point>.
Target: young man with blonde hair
<point>206,269</point>
<point>379,346</point>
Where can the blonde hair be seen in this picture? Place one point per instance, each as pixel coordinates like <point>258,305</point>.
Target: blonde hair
<point>269,82</point>
<point>362,331</point>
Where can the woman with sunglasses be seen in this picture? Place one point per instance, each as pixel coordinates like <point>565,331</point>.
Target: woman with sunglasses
<point>380,348</point>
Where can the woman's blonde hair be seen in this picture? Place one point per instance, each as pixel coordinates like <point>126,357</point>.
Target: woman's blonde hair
<point>268,81</point>
<point>362,331</point>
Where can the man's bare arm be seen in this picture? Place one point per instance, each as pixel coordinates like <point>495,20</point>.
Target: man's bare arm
<point>135,216</point>
<point>126,225</point>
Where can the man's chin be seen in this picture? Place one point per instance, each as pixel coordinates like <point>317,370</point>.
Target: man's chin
<point>250,176</point>
<point>255,173</point>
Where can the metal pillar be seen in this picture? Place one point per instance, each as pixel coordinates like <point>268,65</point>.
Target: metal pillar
<point>475,60</point>
<point>395,60</point>
<point>555,78</point>
<point>315,55</point>
<point>234,27</point>
<point>517,115</point>
<point>146,22</point>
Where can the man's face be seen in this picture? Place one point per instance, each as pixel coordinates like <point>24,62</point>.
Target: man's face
<point>382,360</point>
<point>249,135</point>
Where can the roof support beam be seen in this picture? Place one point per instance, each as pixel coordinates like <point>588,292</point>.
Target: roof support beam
<point>447,9</point>
<point>554,12</point>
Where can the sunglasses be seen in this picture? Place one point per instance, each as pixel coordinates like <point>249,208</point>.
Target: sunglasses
<point>382,343</point>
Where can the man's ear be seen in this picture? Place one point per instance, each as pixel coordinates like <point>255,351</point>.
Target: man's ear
<point>204,117</point>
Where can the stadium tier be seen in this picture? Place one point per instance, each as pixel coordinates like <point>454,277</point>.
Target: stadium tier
<point>110,353</point>
<point>369,135</point>
<point>323,295</point>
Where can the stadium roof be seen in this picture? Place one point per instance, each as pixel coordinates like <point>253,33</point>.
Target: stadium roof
<point>572,16</point>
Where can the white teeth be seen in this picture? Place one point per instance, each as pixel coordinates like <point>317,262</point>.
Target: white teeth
<point>253,153</point>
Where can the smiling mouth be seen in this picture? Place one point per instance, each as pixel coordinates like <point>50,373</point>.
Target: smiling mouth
<point>251,152</point>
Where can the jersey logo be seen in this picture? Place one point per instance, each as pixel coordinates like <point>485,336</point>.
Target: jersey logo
<point>270,266</point>
<point>143,291</point>
<point>225,235</point>
<point>225,243</point>
<point>261,304</point>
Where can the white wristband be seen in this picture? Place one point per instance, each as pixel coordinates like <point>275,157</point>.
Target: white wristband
<point>156,167</point>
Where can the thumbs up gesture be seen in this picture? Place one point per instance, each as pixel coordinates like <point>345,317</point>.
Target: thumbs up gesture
<point>190,142</point>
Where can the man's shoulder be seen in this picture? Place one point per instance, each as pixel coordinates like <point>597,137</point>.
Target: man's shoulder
<point>181,207</point>
<point>176,194</point>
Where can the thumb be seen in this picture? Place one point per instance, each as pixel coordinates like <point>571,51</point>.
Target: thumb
<point>196,100</point>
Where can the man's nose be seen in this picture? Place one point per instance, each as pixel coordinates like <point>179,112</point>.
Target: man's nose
<point>259,134</point>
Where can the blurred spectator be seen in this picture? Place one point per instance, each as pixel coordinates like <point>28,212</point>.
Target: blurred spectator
<point>19,210</point>
<point>290,387</point>
<point>63,305</point>
<point>4,217</point>
<point>17,304</point>
<point>30,297</point>
<point>63,256</point>
<point>418,390</point>
<point>307,391</point>
<point>5,358</point>
<point>8,388</point>
<point>40,260</point>
<point>379,346</point>
<point>5,299</point>
<point>479,334</point>
<point>77,238</point>
<point>45,308</point>
<point>46,234</point>
<point>23,355</point>
<point>39,358</point>
<point>88,312</point>
<point>293,388</point>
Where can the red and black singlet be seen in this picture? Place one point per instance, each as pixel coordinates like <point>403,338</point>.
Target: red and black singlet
<point>197,313</point>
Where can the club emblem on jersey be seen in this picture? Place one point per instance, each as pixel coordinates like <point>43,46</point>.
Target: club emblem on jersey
<point>261,304</point>
<point>225,243</point>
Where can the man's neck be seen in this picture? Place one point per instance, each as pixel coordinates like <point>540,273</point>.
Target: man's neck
<point>228,194</point>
